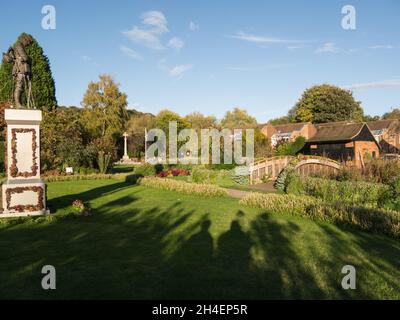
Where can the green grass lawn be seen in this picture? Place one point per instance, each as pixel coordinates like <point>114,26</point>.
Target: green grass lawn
<point>144,243</point>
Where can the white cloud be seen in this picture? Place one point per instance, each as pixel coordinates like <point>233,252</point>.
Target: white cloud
<point>327,47</point>
<point>86,58</point>
<point>379,46</point>
<point>154,25</point>
<point>193,26</point>
<point>176,43</point>
<point>260,68</point>
<point>89,60</point>
<point>144,37</point>
<point>261,39</point>
<point>376,84</point>
<point>179,70</point>
<point>131,53</point>
<point>155,19</point>
<point>294,47</point>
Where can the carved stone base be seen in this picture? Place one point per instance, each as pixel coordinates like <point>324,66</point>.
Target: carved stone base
<point>21,199</point>
<point>24,193</point>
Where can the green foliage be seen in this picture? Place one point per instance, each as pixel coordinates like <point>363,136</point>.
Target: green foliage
<point>373,220</point>
<point>326,103</point>
<point>238,118</point>
<point>282,180</point>
<point>136,127</point>
<point>133,178</point>
<point>349,192</point>
<point>103,161</point>
<point>164,117</point>
<point>202,175</point>
<point>197,120</point>
<point>241,177</point>
<point>7,82</point>
<point>262,145</point>
<point>145,170</point>
<point>348,174</point>
<point>43,86</point>
<point>280,120</point>
<point>105,111</point>
<point>204,190</point>
<point>63,138</point>
<point>393,114</point>
<point>382,171</point>
<point>294,184</point>
<point>291,148</point>
<point>390,198</point>
<point>221,166</point>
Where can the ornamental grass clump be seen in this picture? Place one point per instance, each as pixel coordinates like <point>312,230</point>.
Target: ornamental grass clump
<point>280,203</point>
<point>204,190</point>
<point>95,176</point>
<point>206,176</point>
<point>369,219</point>
<point>349,192</point>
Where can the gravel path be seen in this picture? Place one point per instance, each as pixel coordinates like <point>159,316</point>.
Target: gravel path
<point>239,194</point>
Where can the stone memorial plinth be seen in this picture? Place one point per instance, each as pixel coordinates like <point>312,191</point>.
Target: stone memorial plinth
<point>24,193</point>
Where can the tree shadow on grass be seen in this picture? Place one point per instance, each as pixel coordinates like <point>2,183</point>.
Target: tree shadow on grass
<point>64,201</point>
<point>383,255</point>
<point>169,252</point>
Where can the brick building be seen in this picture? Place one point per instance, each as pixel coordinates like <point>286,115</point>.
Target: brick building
<point>387,133</point>
<point>347,142</point>
<point>288,132</point>
<point>350,143</point>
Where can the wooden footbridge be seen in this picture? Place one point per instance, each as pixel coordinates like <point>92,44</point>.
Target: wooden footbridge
<point>270,168</point>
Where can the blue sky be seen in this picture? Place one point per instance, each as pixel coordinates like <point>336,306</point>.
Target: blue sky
<point>212,56</point>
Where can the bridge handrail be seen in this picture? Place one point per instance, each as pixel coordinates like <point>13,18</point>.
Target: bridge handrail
<point>299,157</point>
<point>271,159</point>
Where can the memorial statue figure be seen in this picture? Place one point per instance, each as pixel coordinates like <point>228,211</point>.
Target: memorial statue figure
<point>21,73</point>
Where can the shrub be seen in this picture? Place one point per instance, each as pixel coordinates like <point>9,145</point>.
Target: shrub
<point>375,220</point>
<point>349,192</point>
<point>79,207</point>
<point>133,178</point>
<point>280,182</point>
<point>294,184</point>
<point>103,161</point>
<point>145,170</point>
<point>239,175</point>
<point>291,148</point>
<point>158,168</point>
<point>202,175</point>
<point>204,190</point>
<point>382,171</point>
<point>173,173</point>
<point>348,174</point>
<point>390,199</point>
<point>222,166</point>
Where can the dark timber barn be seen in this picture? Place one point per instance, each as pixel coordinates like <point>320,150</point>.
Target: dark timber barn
<point>347,142</point>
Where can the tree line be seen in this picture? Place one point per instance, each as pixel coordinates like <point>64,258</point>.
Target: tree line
<point>90,136</point>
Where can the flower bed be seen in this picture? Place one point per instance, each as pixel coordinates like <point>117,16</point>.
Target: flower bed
<point>173,173</point>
